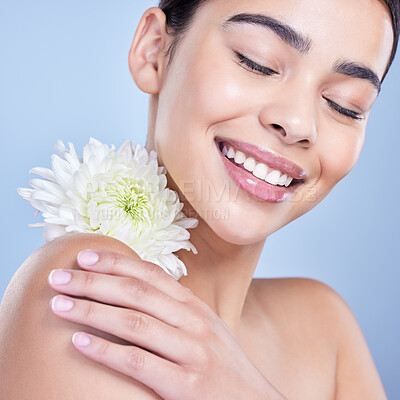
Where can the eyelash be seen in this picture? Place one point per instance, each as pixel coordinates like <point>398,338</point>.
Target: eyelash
<point>253,66</point>
<point>344,111</point>
<point>269,72</point>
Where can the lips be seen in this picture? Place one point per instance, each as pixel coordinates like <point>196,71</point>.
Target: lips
<point>268,157</point>
<point>254,186</point>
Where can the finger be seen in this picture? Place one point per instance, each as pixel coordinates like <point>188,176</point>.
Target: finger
<point>163,376</point>
<point>118,264</point>
<point>132,326</point>
<point>125,292</point>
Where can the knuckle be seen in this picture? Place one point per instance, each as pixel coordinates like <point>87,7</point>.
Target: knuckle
<point>136,287</point>
<point>188,297</point>
<point>136,359</point>
<point>89,280</point>
<point>193,381</point>
<point>202,328</point>
<point>89,311</point>
<point>202,356</point>
<point>114,260</point>
<point>102,348</point>
<point>154,272</point>
<point>137,322</point>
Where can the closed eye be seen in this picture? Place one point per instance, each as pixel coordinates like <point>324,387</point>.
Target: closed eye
<point>269,72</point>
<point>344,111</point>
<point>254,66</point>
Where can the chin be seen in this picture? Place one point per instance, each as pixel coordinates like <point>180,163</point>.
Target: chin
<point>236,225</point>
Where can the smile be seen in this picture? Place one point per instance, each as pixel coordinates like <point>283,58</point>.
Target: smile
<point>259,170</point>
<point>274,180</point>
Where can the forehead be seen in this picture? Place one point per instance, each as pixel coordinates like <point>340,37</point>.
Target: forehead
<point>357,30</point>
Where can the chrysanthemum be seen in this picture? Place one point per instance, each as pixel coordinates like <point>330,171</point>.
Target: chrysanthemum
<point>120,193</point>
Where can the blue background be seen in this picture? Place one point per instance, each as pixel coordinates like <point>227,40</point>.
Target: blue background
<point>64,74</point>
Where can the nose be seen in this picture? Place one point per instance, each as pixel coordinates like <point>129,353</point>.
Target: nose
<point>290,114</point>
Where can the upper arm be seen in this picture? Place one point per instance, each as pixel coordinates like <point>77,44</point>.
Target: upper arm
<point>37,358</point>
<point>330,320</point>
<point>356,377</point>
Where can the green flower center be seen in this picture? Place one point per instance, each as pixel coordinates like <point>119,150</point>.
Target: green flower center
<point>134,201</point>
<point>130,197</point>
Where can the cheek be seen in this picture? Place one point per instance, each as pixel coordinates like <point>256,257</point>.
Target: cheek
<point>198,94</point>
<point>216,95</point>
<point>198,100</point>
<point>339,154</point>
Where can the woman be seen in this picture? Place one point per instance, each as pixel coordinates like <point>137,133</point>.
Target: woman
<point>258,86</point>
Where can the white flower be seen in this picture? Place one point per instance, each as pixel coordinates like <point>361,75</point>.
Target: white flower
<point>120,193</point>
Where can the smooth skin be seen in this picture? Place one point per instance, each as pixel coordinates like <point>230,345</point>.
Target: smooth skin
<point>182,342</point>
<point>298,333</point>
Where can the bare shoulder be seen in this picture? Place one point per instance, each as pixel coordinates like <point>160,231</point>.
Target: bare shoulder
<point>322,315</point>
<point>37,358</point>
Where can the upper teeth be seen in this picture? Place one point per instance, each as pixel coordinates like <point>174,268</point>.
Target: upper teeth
<point>259,170</point>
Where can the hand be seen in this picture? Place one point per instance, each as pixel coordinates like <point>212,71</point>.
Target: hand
<point>180,348</point>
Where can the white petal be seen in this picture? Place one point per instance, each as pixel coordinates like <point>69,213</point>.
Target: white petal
<point>97,150</point>
<point>76,228</point>
<point>72,158</point>
<point>60,148</point>
<point>84,195</point>
<point>51,187</point>
<point>25,193</point>
<point>38,194</point>
<point>187,223</point>
<point>44,172</point>
<point>141,155</point>
<point>62,171</point>
<point>171,264</point>
<point>51,232</point>
<point>81,184</point>
<point>38,225</point>
<point>126,151</point>
<point>39,205</point>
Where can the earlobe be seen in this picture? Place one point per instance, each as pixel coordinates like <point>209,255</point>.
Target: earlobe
<point>145,58</point>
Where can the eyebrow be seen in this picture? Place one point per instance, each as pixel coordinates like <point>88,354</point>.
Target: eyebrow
<point>357,70</point>
<point>303,44</point>
<point>288,34</point>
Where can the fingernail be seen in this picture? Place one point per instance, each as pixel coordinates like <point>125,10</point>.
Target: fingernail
<point>59,277</point>
<point>61,303</point>
<point>88,257</point>
<point>80,339</point>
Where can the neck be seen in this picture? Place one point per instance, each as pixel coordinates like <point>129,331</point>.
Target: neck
<point>221,273</point>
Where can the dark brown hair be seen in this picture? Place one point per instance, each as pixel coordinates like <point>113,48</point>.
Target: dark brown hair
<point>180,13</point>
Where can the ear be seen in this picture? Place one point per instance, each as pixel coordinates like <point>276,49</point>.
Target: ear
<point>146,60</point>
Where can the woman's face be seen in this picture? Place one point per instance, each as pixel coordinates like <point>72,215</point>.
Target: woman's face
<point>311,109</point>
